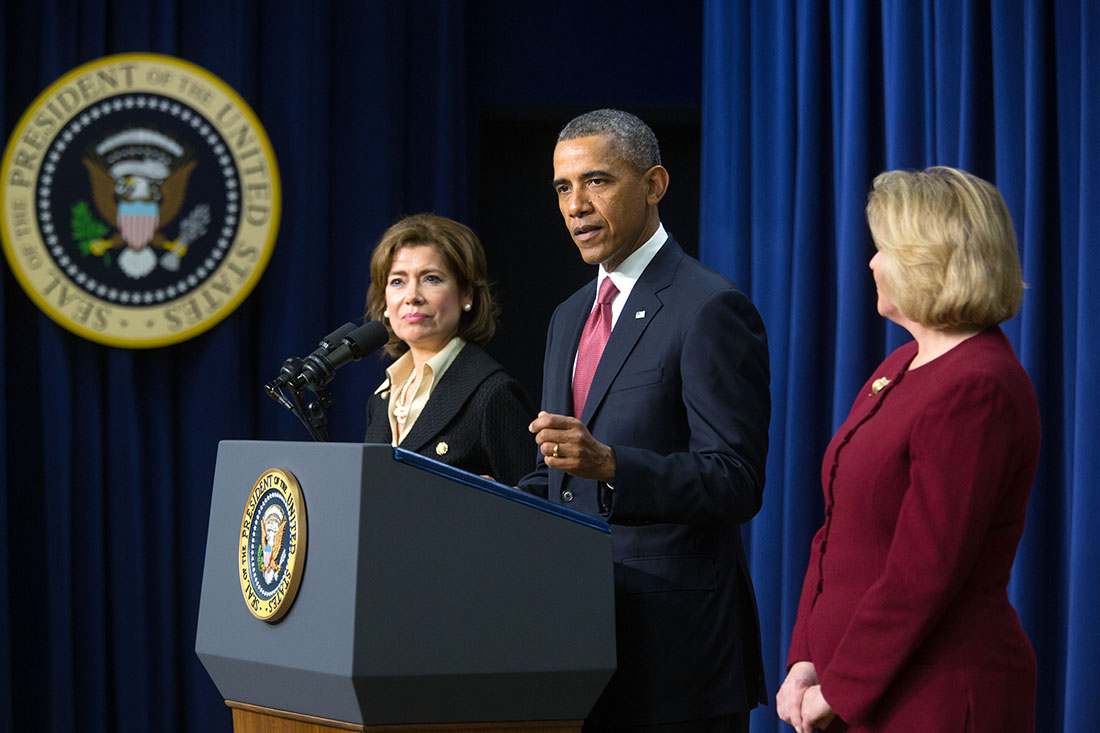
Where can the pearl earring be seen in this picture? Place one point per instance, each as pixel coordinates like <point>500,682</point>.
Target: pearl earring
<point>467,307</point>
<point>386,313</point>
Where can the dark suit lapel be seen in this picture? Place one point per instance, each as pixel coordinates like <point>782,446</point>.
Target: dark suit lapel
<point>637,314</point>
<point>558,393</point>
<point>378,425</point>
<point>461,379</point>
<point>559,399</point>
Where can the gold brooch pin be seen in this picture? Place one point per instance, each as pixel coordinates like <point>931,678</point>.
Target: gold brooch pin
<point>441,448</point>
<point>878,384</point>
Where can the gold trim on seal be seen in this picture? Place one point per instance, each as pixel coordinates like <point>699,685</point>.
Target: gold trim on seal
<point>148,317</point>
<point>271,605</point>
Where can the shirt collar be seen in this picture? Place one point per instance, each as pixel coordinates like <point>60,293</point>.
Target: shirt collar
<point>630,269</point>
<point>442,361</point>
<point>397,372</point>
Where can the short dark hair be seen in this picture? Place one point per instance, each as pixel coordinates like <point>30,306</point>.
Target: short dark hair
<point>463,255</point>
<point>631,137</point>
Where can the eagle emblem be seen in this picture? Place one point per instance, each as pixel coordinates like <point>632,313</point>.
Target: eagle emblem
<point>274,526</point>
<point>272,545</point>
<point>139,182</point>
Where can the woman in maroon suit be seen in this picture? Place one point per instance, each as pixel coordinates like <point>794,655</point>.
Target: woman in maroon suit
<point>904,623</point>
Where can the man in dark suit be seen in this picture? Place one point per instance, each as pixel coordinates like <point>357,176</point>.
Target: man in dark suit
<point>669,444</point>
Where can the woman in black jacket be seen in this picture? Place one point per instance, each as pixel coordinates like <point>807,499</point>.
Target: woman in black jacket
<point>444,396</point>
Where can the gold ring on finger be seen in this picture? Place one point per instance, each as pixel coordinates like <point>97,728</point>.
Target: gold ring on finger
<point>555,450</point>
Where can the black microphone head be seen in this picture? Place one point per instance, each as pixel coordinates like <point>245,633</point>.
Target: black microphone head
<point>368,338</point>
<point>334,339</point>
<point>319,369</point>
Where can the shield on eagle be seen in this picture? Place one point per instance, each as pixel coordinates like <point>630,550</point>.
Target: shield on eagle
<point>138,222</point>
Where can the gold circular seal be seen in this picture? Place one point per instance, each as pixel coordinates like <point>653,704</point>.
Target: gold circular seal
<point>139,200</point>
<point>272,545</point>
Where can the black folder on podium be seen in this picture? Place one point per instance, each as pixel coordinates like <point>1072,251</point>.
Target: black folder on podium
<point>428,594</point>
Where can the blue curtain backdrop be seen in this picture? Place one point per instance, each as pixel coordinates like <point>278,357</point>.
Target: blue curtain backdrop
<point>108,454</point>
<point>803,103</point>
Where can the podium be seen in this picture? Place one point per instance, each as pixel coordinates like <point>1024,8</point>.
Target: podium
<point>430,599</point>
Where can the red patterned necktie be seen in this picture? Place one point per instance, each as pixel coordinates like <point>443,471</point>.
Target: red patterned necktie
<point>594,337</point>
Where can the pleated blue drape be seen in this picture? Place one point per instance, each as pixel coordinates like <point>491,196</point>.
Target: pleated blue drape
<point>803,103</point>
<point>108,454</point>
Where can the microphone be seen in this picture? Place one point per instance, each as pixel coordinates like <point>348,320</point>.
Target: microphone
<point>354,343</point>
<point>290,374</point>
<point>330,342</point>
<point>292,367</point>
<point>314,372</point>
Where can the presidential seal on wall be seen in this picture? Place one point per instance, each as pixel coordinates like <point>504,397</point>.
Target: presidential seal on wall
<point>272,545</point>
<point>139,200</point>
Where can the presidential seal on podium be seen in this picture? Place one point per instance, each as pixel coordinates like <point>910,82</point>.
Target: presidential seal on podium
<point>272,545</point>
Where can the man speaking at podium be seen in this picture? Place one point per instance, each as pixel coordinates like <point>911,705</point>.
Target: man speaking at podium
<point>655,417</point>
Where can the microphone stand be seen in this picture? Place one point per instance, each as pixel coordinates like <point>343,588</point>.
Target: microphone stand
<point>315,413</point>
<point>311,414</point>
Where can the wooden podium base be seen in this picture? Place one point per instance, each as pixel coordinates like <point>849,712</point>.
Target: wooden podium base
<point>257,719</point>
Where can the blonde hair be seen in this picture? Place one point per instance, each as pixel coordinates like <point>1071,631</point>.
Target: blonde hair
<point>952,261</point>
<point>463,255</point>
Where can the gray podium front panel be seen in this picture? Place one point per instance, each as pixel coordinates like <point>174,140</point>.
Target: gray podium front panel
<point>423,598</point>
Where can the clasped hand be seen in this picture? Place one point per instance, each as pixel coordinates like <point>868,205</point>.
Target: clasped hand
<point>566,444</point>
<point>800,702</point>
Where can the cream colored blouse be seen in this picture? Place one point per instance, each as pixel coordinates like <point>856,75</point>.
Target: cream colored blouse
<point>399,380</point>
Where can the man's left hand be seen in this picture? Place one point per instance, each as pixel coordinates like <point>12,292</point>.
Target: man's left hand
<point>566,444</point>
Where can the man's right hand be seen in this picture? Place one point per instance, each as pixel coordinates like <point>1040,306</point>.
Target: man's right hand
<point>566,444</point>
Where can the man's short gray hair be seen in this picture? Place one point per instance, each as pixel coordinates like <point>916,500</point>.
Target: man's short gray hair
<point>631,137</point>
